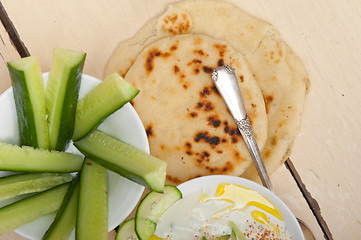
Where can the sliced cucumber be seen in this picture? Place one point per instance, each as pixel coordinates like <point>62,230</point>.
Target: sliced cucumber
<point>126,231</point>
<point>30,208</point>
<point>65,219</point>
<point>62,91</point>
<point>28,159</point>
<point>14,185</point>
<point>236,231</point>
<point>92,219</point>
<point>28,89</point>
<point>124,159</point>
<point>99,103</point>
<point>151,208</point>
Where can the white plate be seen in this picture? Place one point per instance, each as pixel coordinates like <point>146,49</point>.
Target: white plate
<point>124,124</point>
<point>197,184</point>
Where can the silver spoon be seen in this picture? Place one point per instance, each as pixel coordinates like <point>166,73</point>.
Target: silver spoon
<point>227,85</point>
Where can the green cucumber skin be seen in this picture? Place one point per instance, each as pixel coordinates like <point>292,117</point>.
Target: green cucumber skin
<point>68,109</point>
<point>68,117</point>
<point>147,230</point>
<point>26,121</point>
<point>92,218</point>
<point>25,112</point>
<point>115,168</point>
<point>29,159</point>
<point>28,209</point>
<point>65,219</point>
<point>151,208</point>
<point>85,122</point>
<point>15,185</point>
<point>91,147</point>
<point>126,231</point>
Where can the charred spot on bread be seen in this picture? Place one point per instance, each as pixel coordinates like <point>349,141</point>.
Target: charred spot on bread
<point>214,88</point>
<point>173,179</point>
<point>200,52</point>
<point>176,69</point>
<point>220,62</point>
<point>149,131</point>
<point>152,54</point>
<point>176,25</point>
<point>206,105</point>
<point>205,92</point>
<point>194,61</point>
<point>214,121</point>
<point>173,47</point>
<point>221,48</point>
<point>204,136</point>
<point>226,128</point>
<point>268,100</point>
<point>207,69</point>
<point>241,78</point>
<point>274,140</point>
<point>193,114</point>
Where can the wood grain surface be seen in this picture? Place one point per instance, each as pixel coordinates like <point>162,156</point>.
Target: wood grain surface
<point>326,34</point>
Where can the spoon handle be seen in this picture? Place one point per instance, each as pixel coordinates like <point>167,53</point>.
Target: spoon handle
<point>227,85</point>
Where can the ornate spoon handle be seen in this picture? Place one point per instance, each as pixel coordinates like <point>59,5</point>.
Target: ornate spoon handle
<point>227,85</point>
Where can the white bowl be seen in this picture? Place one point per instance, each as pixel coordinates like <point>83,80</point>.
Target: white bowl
<point>197,184</point>
<point>124,124</point>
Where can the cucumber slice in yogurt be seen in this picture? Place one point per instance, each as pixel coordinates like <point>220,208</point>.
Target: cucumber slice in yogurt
<point>236,232</point>
<point>29,97</point>
<point>107,97</point>
<point>126,231</point>
<point>151,208</point>
<point>62,91</point>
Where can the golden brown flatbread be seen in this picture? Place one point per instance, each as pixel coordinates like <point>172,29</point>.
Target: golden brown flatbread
<point>187,122</point>
<point>279,72</point>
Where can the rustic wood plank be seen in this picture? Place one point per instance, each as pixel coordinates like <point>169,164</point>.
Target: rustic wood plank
<point>96,29</point>
<point>324,33</point>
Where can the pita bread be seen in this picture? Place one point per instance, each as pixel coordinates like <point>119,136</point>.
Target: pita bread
<point>186,119</point>
<point>279,72</point>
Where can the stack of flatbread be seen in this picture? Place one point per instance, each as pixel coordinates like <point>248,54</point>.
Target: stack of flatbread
<point>171,60</point>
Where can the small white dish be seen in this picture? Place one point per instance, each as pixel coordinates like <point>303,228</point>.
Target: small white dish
<point>124,124</point>
<point>197,184</point>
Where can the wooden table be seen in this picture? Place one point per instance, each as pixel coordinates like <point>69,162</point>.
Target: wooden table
<point>320,182</point>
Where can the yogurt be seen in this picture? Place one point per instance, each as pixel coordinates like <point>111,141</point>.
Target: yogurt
<point>206,214</point>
